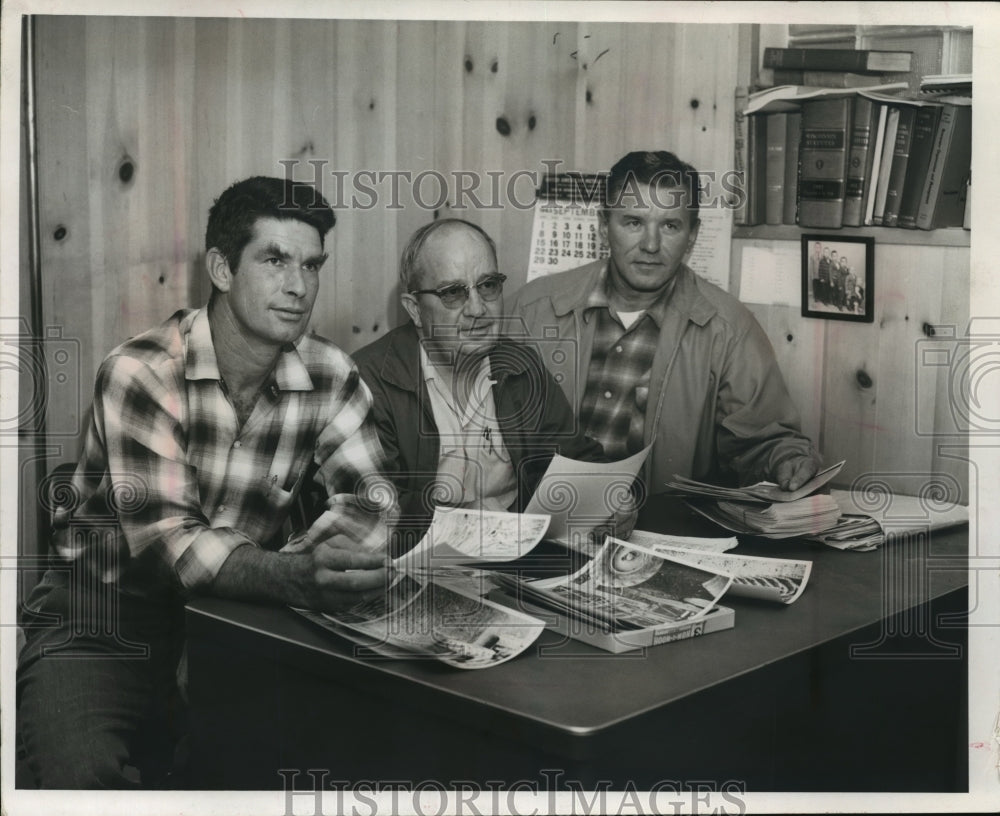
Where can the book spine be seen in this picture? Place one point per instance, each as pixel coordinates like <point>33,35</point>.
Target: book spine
<point>900,160</point>
<point>823,154</point>
<point>774,167</point>
<point>789,76</point>
<point>740,148</point>
<point>793,137</point>
<point>858,163</point>
<point>840,79</point>
<point>836,59</point>
<point>756,160</point>
<point>924,131</point>
<point>888,147</point>
<point>943,201</point>
<point>875,166</point>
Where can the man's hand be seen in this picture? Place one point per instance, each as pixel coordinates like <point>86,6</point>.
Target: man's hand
<point>342,578</point>
<point>795,471</point>
<point>326,570</point>
<point>348,527</point>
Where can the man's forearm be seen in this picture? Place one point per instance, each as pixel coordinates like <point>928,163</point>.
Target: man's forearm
<point>253,574</point>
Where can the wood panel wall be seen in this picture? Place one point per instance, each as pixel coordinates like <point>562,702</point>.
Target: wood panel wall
<point>875,393</point>
<point>143,121</point>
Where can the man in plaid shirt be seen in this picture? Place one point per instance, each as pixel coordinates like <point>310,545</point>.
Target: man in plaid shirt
<point>650,353</point>
<point>203,431</point>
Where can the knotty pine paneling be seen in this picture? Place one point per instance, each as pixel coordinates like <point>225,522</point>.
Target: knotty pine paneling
<point>143,121</point>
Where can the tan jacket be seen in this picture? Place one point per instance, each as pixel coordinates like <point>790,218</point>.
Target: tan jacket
<point>718,408</point>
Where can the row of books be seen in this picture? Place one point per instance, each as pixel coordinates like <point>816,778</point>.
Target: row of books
<point>828,158</point>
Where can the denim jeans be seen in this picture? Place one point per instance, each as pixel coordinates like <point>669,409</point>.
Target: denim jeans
<point>96,684</point>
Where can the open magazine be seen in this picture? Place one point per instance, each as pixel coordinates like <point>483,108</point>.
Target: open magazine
<point>625,597</point>
<point>444,616</point>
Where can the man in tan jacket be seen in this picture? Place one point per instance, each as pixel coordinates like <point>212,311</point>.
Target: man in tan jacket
<point>648,352</point>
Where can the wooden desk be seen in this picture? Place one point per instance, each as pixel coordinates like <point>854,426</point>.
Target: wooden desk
<point>859,685</point>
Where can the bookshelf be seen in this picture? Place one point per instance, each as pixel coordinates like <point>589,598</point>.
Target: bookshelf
<point>948,237</point>
<point>769,57</point>
<point>863,390</point>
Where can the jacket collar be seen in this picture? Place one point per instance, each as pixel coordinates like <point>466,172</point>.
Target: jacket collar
<point>400,365</point>
<point>687,298</point>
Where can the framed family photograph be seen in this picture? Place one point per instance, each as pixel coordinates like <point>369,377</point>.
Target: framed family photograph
<point>838,277</point>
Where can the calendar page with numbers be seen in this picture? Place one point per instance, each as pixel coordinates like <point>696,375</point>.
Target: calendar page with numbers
<point>564,232</point>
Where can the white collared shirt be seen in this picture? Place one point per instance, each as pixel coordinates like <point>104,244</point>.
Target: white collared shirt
<point>474,467</point>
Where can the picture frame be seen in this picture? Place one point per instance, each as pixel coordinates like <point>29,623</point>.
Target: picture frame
<point>838,277</point>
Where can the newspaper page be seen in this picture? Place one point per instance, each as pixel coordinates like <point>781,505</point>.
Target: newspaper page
<point>770,579</point>
<point>628,587</point>
<point>460,536</point>
<point>427,619</point>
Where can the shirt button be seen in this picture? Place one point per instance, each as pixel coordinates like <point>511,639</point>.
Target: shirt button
<point>222,508</point>
<point>237,444</point>
<point>607,395</point>
<point>618,349</point>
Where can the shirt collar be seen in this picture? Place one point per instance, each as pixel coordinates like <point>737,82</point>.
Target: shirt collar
<point>290,373</point>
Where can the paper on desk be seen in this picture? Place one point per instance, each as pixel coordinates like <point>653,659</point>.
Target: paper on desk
<point>583,494</point>
<point>630,587</point>
<point>769,579</point>
<point>442,622</point>
<point>896,512</point>
<point>771,276</point>
<point>658,541</point>
<point>460,536</point>
<point>767,492</point>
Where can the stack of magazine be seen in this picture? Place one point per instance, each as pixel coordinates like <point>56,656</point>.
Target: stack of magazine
<point>652,589</point>
<point>764,509</point>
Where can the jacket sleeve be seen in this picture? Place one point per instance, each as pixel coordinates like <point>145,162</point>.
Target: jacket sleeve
<point>415,507</point>
<point>757,424</point>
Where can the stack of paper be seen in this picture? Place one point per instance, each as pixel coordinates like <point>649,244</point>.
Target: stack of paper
<point>852,532</point>
<point>863,523</point>
<point>761,492</point>
<point>805,516</point>
<point>764,509</point>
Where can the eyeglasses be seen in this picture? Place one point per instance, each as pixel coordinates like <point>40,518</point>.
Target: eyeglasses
<point>456,294</point>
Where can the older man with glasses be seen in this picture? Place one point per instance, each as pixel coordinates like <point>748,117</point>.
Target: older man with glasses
<point>467,417</point>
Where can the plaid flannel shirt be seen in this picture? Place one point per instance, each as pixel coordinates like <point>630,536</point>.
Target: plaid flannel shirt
<point>169,484</point>
<point>613,408</point>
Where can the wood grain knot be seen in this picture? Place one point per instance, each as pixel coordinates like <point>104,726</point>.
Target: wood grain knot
<point>126,170</point>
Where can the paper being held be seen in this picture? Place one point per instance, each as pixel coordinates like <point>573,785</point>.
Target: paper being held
<point>573,491</point>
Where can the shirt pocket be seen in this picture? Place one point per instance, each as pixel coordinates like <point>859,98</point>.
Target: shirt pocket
<point>281,493</point>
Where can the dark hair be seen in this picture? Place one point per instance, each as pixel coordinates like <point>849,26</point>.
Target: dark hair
<point>409,261</point>
<point>658,168</point>
<point>234,213</point>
